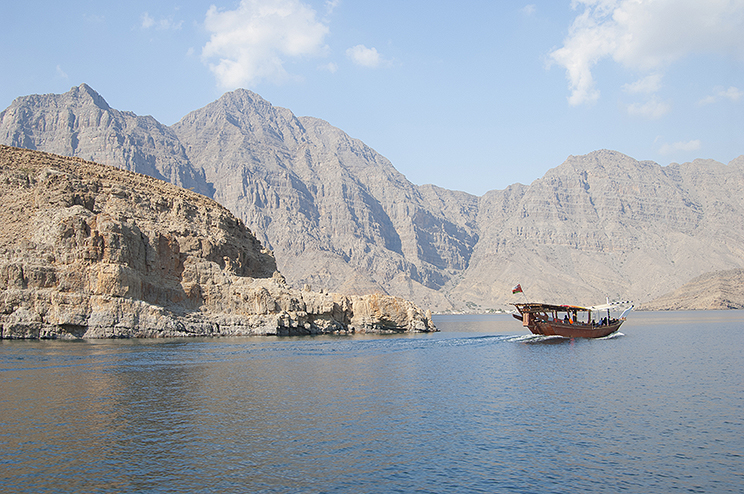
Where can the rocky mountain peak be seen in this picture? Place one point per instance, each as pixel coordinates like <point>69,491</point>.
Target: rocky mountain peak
<point>78,97</point>
<point>737,162</point>
<point>244,100</point>
<point>87,95</point>
<point>241,118</point>
<point>80,123</point>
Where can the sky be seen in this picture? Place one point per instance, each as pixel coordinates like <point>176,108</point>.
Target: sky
<point>467,95</point>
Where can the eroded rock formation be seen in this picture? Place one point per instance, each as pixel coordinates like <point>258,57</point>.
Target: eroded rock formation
<point>88,250</point>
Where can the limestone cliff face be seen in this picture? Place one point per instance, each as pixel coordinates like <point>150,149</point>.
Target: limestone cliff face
<point>605,224</point>
<point>88,250</point>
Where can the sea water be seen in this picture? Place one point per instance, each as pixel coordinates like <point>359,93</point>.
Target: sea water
<point>481,406</point>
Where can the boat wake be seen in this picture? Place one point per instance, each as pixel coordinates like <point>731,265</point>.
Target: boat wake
<point>473,340</point>
<point>616,334</point>
<point>537,338</point>
<point>554,339</point>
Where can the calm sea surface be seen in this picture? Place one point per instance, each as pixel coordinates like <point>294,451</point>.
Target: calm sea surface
<point>480,407</point>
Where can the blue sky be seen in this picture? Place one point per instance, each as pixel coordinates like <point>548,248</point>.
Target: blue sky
<point>472,95</point>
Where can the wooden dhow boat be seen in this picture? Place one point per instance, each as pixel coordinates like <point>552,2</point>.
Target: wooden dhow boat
<point>572,321</point>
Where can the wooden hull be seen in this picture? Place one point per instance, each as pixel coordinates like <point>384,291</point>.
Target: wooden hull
<point>556,328</point>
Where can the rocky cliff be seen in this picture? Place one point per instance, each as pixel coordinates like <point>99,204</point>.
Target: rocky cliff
<point>339,216</point>
<point>88,250</point>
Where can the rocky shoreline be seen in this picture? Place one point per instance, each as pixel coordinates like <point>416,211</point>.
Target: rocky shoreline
<point>91,251</point>
<point>287,312</point>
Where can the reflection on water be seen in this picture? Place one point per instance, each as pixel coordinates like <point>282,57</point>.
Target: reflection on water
<point>482,406</point>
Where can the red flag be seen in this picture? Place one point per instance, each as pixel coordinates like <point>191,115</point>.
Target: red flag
<point>517,289</point>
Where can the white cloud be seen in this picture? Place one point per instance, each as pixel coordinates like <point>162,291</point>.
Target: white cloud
<point>331,5</point>
<point>680,146</point>
<point>147,21</point>
<point>648,84</point>
<point>162,24</point>
<point>529,9</point>
<point>652,109</point>
<point>252,42</point>
<point>732,93</point>
<point>330,67</point>
<point>61,73</point>
<point>366,57</point>
<point>645,36</point>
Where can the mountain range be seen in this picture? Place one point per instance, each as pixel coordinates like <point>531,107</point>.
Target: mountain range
<point>338,216</point>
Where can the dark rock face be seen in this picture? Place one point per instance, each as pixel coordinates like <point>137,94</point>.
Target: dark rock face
<point>339,216</point>
<point>88,250</point>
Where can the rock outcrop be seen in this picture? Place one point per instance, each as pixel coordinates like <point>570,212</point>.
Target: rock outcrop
<point>92,251</point>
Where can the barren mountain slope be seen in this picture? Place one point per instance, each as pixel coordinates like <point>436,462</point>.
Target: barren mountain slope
<point>340,217</point>
<point>710,291</point>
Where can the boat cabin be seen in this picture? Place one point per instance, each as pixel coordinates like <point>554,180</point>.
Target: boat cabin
<point>566,314</point>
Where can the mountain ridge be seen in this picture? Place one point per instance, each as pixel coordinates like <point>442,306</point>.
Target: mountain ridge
<point>81,123</point>
<point>339,215</point>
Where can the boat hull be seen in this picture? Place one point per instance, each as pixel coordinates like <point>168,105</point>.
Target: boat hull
<point>573,330</point>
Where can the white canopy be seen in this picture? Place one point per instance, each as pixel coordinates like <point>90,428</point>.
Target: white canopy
<point>611,305</point>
